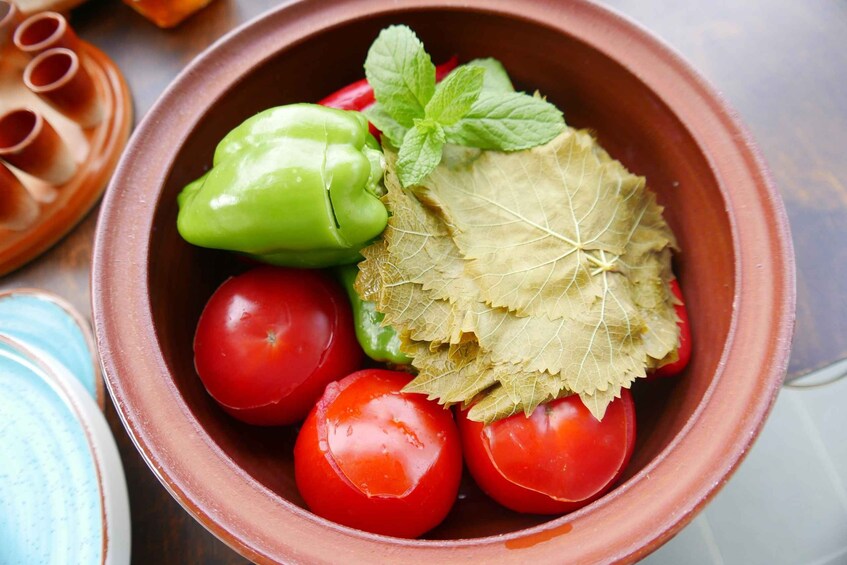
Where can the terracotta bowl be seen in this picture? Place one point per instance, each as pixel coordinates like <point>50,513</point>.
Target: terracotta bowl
<point>649,109</point>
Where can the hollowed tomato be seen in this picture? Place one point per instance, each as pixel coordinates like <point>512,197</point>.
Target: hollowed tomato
<point>558,459</point>
<point>374,458</point>
<point>269,341</point>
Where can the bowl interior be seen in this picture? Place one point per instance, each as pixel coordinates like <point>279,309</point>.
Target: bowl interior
<point>594,92</point>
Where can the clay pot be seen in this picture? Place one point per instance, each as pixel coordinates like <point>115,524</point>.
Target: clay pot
<point>649,109</point>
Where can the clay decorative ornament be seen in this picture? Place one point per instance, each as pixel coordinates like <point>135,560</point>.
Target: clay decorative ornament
<point>45,31</point>
<point>65,116</point>
<point>35,6</point>
<point>18,208</point>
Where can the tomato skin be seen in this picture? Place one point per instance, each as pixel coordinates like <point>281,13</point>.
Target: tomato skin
<point>269,341</point>
<point>675,368</point>
<point>567,419</point>
<point>373,458</point>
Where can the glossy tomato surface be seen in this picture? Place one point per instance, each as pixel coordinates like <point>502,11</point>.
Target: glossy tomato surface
<point>269,341</point>
<point>684,351</point>
<point>373,458</point>
<point>558,459</point>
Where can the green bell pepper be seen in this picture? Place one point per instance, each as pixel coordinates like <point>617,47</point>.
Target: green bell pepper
<point>380,343</point>
<point>296,185</point>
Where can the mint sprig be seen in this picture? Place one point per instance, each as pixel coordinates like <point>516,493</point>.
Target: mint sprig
<point>401,73</point>
<point>455,95</point>
<point>496,77</point>
<point>420,152</point>
<point>508,121</point>
<point>474,106</point>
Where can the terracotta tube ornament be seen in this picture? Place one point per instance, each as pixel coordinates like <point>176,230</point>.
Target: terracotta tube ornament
<point>18,209</point>
<point>60,79</point>
<point>29,142</point>
<point>10,17</point>
<point>43,31</point>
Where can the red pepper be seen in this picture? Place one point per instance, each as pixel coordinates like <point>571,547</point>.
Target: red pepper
<point>675,368</point>
<point>356,96</point>
<point>360,95</point>
<point>445,68</point>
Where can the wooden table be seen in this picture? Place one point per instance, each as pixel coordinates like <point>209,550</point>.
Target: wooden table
<point>782,64</point>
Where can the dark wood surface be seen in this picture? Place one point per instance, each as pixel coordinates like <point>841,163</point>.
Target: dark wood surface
<point>781,64</point>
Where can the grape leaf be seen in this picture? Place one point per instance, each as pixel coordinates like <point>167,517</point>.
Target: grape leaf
<point>601,347</point>
<point>455,374</point>
<point>590,311</point>
<point>450,374</point>
<point>540,228</point>
<point>406,306</point>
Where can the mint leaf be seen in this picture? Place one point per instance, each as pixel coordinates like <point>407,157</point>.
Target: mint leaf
<point>455,95</point>
<point>496,78</point>
<point>475,106</point>
<point>420,152</point>
<point>401,74</point>
<point>507,122</point>
<point>383,121</point>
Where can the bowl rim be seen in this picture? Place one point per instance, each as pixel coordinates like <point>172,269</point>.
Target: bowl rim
<point>160,423</point>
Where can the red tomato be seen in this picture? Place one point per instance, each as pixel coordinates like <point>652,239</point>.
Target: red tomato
<point>675,368</point>
<point>269,341</point>
<point>371,457</point>
<point>557,460</point>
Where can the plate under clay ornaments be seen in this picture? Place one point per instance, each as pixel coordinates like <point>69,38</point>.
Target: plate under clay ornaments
<point>65,116</point>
